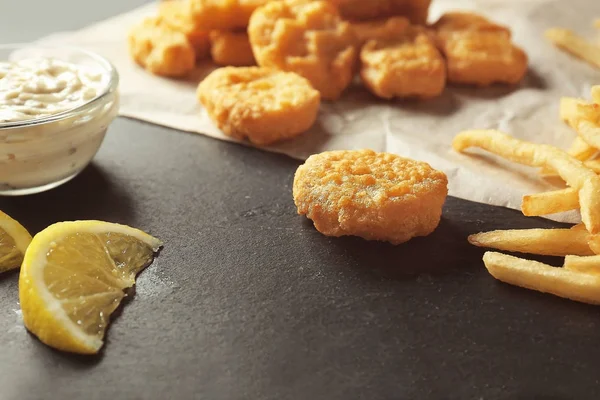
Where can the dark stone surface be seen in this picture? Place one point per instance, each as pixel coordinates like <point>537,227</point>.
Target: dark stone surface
<point>248,301</point>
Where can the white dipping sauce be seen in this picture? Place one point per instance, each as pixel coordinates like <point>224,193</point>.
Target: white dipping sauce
<point>36,155</point>
<point>38,87</point>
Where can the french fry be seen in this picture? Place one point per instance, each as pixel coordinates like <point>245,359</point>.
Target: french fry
<point>584,265</point>
<point>572,171</point>
<point>546,203</point>
<point>589,132</point>
<point>569,110</point>
<point>543,278</point>
<point>548,242</point>
<point>570,113</point>
<point>594,165</point>
<point>575,44</point>
<point>594,243</point>
<point>597,23</point>
<point>588,112</point>
<point>596,94</point>
<point>579,149</point>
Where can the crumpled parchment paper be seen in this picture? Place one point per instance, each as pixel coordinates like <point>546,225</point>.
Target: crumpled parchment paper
<point>420,130</point>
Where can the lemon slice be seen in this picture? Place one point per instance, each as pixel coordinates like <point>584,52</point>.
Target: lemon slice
<point>14,240</point>
<point>73,277</point>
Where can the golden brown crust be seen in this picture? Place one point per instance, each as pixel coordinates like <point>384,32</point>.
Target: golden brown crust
<point>160,49</point>
<point>388,28</point>
<point>176,15</point>
<point>457,21</point>
<point>306,37</point>
<point>478,51</point>
<point>377,196</point>
<point>231,48</point>
<point>260,104</point>
<point>223,14</point>
<point>408,66</point>
<point>360,10</point>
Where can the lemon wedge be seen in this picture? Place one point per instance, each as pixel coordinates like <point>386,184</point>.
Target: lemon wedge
<point>14,240</point>
<point>73,277</point>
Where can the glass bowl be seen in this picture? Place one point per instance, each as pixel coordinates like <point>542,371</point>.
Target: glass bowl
<point>42,153</point>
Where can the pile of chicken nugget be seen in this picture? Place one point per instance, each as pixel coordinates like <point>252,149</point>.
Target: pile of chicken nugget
<point>316,48</point>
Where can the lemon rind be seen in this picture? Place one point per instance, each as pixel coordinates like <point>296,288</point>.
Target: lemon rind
<point>31,285</point>
<point>19,234</point>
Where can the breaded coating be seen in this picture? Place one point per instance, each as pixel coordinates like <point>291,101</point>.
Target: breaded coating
<point>457,21</point>
<point>223,14</point>
<point>479,52</point>
<point>231,48</point>
<point>360,10</point>
<point>377,196</point>
<point>160,49</point>
<point>389,28</point>
<point>409,66</point>
<point>176,15</point>
<point>261,104</point>
<point>306,37</point>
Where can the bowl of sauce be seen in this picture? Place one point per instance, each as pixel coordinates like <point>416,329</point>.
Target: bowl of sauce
<point>56,104</point>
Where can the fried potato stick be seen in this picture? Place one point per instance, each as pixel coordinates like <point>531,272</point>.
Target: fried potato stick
<point>594,165</point>
<point>579,149</point>
<point>589,132</point>
<point>575,44</point>
<point>585,265</point>
<point>547,242</point>
<point>546,203</point>
<point>571,170</point>
<point>596,94</point>
<point>572,110</point>
<point>562,282</point>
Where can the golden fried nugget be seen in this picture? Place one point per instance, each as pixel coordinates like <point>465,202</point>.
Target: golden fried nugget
<point>360,10</point>
<point>231,48</point>
<point>479,52</point>
<point>261,104</point>
<point>409,66</point>
<point>176,15</point>
<point>389,28</point>
<point>308,38</point>
<point>454,22</point>
<point>160,49</point>
<point>377,196</point>
<point>223,14</point>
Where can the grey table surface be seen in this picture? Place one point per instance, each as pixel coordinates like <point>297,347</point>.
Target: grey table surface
<point>248,301</point>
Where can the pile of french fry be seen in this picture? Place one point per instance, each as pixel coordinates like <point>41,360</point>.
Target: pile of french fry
<point>579,279</point>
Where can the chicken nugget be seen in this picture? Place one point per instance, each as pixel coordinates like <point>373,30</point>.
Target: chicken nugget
<point>377,196</point>
<point>360,10</point>
<point>479,52</point>
<point>261,104</point>
<point>306,37</point>
<point>160,49</point>
<point>389,28</point>
<point>231,48</point>
<point>409,66</point>
<point>456,21</point>
<point>223,14</point>
<point>176,15</point>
